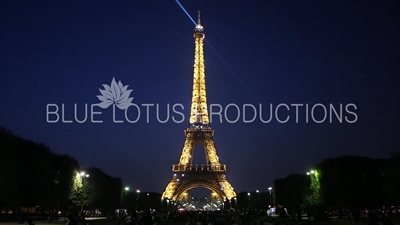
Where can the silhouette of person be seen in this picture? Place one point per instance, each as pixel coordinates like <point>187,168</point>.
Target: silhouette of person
<point>372,219</point>
<point>71,220</point>
<point>386,220</point>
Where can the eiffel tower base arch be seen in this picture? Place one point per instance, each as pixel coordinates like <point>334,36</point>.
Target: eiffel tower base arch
<point>211,177</point>
<point>210,181</point>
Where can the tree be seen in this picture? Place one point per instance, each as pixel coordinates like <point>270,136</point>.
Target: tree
<point>314,197</point>
<point>290,192</point>
<point>106,190</point>
<point>82,192</point>
<point>392,185</point>
<point>32,175</point>
<point>64,171</point>
<point>25,171</point>
<point>352,181</point>
<point>9,167</point>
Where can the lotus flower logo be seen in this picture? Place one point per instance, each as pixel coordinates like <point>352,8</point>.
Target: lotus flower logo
<point>115,94</point>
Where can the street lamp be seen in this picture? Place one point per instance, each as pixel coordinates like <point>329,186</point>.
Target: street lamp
<point>83,175</point>
<point>312,174</point>
<point>147,201</point>
<point>137,202</point>
<point>126,197</point>
<point>248,194</point>
<point>270,195</point>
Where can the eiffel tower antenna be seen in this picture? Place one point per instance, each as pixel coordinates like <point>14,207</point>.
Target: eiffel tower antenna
<point>212,175</point>
<point>198,18</point>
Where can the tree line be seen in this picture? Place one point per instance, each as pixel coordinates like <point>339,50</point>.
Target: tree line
<point>32,175</point>
<point>341,183</point>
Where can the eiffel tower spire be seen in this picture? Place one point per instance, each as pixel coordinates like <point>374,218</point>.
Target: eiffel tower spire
<point>199,111</point>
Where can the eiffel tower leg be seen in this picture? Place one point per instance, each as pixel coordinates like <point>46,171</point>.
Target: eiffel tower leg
<point>187,152</point>
<point>211,153</point>
<point>185,159</point>
<point>170,189</point>
<point>212,157</point>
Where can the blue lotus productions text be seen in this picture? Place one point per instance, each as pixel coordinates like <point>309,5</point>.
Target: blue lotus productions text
<point>231,113</point>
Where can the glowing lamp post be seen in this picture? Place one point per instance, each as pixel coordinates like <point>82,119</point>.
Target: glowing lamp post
<point>311,172</point>
<point>270,195</point>
<point>258,199</point>
<point>248,194</point>
<point>83,175</point>
<point>137,202</point>
<point>126,197</point>
<point>147,200</point>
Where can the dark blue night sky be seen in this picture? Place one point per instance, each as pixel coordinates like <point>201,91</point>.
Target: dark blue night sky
<point>268,52</point>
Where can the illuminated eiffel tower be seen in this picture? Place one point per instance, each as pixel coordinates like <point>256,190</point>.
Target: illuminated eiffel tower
<point>212,175</point>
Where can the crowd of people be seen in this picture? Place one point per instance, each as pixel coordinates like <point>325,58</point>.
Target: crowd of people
<point>251,217</point>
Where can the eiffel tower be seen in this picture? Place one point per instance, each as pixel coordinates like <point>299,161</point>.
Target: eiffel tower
<point>186,175</point>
